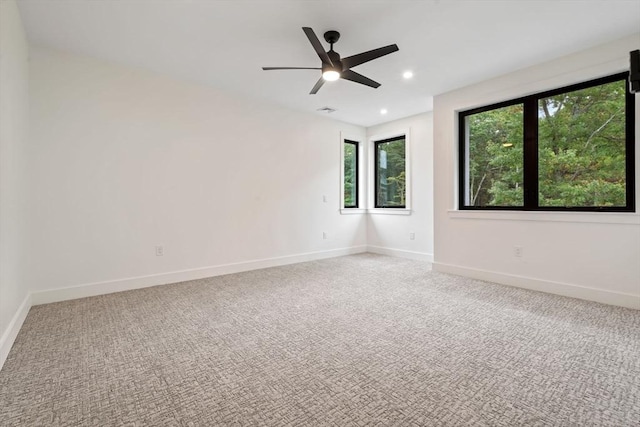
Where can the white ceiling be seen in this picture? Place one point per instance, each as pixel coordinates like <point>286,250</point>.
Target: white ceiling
<point>224,44</point>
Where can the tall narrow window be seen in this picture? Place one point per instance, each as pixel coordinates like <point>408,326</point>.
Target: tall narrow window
<point>390,173</point>
<point>351,162</point>
<point>570,148</point>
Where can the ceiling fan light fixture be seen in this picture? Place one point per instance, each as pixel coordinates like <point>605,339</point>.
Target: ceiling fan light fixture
<point>330,75</point>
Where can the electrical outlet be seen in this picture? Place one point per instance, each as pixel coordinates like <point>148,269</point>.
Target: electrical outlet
<point>412,236</point>
<point>518,251</point>
<point>159,251</point>
<point>325,235</point>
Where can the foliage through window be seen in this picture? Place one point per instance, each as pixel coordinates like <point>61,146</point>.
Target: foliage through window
<point>495,163</point>
<point>390,173</point>
<point>566,149</point>
<point>350,174</point>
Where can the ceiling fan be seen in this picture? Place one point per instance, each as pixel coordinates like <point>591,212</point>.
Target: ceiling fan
<point>334,68</point>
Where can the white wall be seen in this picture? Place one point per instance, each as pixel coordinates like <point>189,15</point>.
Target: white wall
<point>389,233</point>
<point>589,255</point>
<point>14,110</point>
<point>123,160</point>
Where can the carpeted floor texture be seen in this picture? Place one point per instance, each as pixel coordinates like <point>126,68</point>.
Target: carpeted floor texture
<point>353,341</point>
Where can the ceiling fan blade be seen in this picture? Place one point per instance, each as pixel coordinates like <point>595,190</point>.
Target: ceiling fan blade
<point>291,68</point>
<point>361,58</point>
<point>359,78</point>
<point>317,87</point>
<point>317,45</point>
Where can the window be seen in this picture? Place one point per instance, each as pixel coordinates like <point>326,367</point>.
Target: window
<point>565,149</point>
<point>351,173</point>
<point>494,165</point>
<point>390,172</point>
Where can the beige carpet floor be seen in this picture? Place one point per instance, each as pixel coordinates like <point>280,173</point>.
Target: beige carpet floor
<point>352,341</point>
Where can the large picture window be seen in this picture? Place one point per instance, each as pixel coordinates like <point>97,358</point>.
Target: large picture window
<point>390,172</point>
<point>565,149</point>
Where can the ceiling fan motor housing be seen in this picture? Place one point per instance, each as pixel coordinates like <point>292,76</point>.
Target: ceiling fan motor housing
<point>335,59</point>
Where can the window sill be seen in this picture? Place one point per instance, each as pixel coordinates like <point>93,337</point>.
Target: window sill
<point>589,217</point>
<point>375,211</point>
<point>391,211</point>
<point>349,211</point>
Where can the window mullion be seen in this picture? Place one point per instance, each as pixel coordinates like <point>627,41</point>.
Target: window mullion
<point>530,153</point>
<point>630,154</point>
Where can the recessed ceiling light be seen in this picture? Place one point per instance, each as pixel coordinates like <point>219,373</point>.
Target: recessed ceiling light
<point>407,74</point>
<point>383,111</point>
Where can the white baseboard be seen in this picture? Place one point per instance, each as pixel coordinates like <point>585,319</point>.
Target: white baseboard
<point>401,253</point>
<point>107,287</point>
<point>100,288</point>
<point>575,291</point>
<point>10,334</point>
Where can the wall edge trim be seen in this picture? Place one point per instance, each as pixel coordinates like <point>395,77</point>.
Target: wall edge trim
<point>126,284</point>
<point>401,253</point>
<point>11,333</point>
<point>558,288</point>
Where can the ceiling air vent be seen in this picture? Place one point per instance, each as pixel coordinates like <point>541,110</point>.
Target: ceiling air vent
<point>326,110</point>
